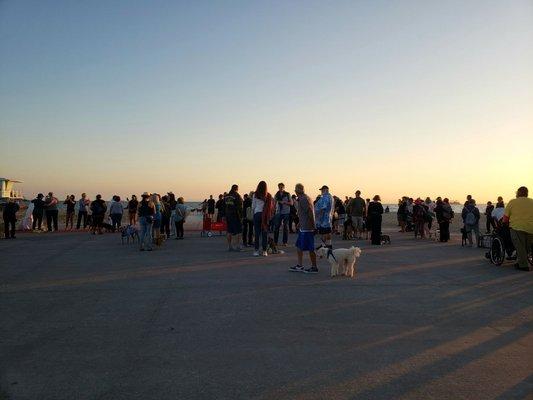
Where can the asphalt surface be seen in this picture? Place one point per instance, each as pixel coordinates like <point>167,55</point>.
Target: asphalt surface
<point>84,317</point>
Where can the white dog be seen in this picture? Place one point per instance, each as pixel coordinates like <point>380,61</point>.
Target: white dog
<point>342,260</point>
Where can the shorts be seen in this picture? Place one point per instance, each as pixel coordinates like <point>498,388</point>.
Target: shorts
<point>324,231</point>
<point>234,225</point>
<point>357,222</point>
<point>306,241</point>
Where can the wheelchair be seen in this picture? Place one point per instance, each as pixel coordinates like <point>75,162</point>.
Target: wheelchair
<point>500,245</point>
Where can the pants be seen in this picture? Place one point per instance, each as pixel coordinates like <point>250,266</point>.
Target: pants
<point>37,220</point>
<point>9,222</point>
<point>281,219</point>
<point>82,215</point>
<point>376,229</point>
<point>522,242</point>
<point>247,231</point>
<point>165,225</point>
<point>51,219</point>
<point>475,229</point>
<point>146,233</point>
<point>179,228</point>
<point>116,220</point>
<point>259,232</point>
<point>490,224</point>
<point>444,227</point>
<point>69,219</point>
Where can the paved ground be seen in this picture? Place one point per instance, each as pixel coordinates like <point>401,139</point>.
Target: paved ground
<point>84,317</point>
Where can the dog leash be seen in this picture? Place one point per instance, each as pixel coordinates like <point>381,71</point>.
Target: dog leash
<point>330,253</point>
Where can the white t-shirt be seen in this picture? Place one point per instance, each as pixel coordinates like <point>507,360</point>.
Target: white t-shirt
<point>257,205</point>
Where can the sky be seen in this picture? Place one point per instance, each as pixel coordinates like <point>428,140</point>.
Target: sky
<point>389,97</point>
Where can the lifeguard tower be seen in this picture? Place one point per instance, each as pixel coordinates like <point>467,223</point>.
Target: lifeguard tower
<point>8,190</point>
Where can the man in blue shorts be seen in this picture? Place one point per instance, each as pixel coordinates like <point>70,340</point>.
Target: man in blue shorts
<point>306,233</point>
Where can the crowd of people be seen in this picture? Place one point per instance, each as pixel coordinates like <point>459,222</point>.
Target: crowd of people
<point>250,219</point>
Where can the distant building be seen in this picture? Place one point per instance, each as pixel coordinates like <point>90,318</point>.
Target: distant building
<point>8,190</point>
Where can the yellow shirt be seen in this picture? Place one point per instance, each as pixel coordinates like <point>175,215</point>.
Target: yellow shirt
<point>520,213</point>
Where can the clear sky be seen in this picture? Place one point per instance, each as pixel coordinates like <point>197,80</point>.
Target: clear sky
<point>392,97</point>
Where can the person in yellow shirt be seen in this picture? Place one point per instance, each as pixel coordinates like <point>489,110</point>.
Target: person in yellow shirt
<point>519,215</point>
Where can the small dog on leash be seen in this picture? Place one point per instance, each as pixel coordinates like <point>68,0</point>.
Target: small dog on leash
<point>385,239</point>
<point>342,261</point>
<point>129,232</point>
<point>464,237</point>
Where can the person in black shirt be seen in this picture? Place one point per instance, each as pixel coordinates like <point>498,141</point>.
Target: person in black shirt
<point>490,221</point>
<point>233,213</point>
<point>133,205</point>
<point>375,211</point>
<point>166,213</point>
<point>10,218</point>
<point>247,223</point>
<point>98,207</point>
<point>221,208</point>
<point>70,202</point>
<point>211,207</point>
<point>38,211</point>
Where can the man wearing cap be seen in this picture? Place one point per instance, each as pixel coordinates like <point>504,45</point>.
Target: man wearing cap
<point>324,215</point>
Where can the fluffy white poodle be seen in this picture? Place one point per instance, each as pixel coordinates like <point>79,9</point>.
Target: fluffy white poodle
<point>342,260</point>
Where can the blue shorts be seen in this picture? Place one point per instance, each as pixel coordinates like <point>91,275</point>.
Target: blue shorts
<point>306,241</point>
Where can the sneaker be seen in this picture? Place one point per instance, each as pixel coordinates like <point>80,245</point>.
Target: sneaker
<point>312,270</point>
<point>256,253</point>
<point>264,254</point>
<point>296,268</point>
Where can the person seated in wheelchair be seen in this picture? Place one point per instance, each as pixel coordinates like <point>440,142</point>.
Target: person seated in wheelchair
<point>504,232</point>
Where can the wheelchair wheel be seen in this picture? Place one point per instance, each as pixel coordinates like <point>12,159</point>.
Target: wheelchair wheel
<point>530,256</point>
<point>497,251</point>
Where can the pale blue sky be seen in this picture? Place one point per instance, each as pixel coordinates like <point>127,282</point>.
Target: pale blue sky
<point>127,96</point>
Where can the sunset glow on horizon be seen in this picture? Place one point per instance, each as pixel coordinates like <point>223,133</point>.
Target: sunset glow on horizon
<point>407,98</point>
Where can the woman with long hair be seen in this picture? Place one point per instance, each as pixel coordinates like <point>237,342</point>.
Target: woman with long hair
<point>262,209</point>
<point>158,215</point>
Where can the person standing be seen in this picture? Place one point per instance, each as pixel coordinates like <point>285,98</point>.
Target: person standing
<point>519,215</point>
<point>293,216</point>
<point>133,208</point>
<point>70,202</point>
<point>324,215</point>
<point>306,231</point>
<point>116,210</point>
<point>211,207</point>
<point>261,207</point>
<point>489,223</point>
<point>471,218</point>
<point>38,211</point>
<point>166,214</point>
<point>51,212</point>
<point>247,220</point>
<point>233,213</point>
<point>357,211</point>
<point>444,214</point>
<point>281,217</point>
<point>158,215</point>
<point>146,212</point>
<point>83,208</point>
<point>374,215</point>
<point>221,208</point>
<point>10,218</point>
<point>180,217</point>
<point>340,209</point>
<point>98,210</point>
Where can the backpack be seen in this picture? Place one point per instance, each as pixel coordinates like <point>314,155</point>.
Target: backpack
<point>249,214</point>
<point>470,218</point>
<point>447,212</point>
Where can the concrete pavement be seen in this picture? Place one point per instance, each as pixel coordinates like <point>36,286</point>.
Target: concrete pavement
<point>84,317</point>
